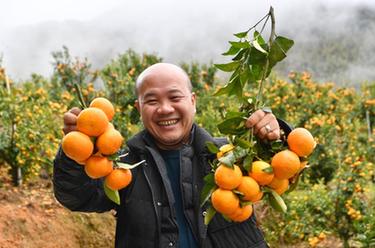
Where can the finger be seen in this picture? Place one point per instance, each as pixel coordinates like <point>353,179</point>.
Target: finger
<point>68,128</point>
<point>75,110</point>
<point>254,118</point>
<point>70,119</point>
<point>268,119</point>
<point>262,133</point>
<point>274,135</point>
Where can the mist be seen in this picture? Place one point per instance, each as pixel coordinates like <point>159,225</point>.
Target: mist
<point>334,41</point>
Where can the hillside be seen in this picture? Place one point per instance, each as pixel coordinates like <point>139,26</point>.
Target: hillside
<point>30,217</point>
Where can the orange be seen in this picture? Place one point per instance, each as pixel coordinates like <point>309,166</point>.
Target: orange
<point>241,214</point>
<point>118,179</point>
<point>224,201</point>
<point>224,149</point>
<point>77,146</point>
<point>105,105</point>
<point>285,164</point>
<point>92,121</point>
<point>301,142</point>
<point>97,166</point>
<point>110,141</point>
<point>228,178</point>
<point>257,198</point>
<point>279,185</point>
<point>249,187</point>
<point>259,172</point>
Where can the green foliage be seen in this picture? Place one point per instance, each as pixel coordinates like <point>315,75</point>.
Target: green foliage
<point>310,214</point>
<point>29,131</point>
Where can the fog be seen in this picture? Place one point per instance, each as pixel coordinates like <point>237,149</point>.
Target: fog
<point>334,40</point>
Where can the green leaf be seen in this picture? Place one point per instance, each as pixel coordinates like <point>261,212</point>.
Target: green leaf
<point>234,87</point>
<point>240,54</point>
<point>231,66</point>
<point>277,202</point>
<point>113,195</point>
<point>248,161</point>
<point>233,114</point>
<point>208,188</point>
<point>228,159</point>
<point>212,148</point>
<point>293,185</point>
<point>239,152</point>
<point>232,51</point>
<point>268,170</point>
<point>233,125</point>
<point>240,44</point>
<point>239,193</point>
<point>258,37</point>
<point>241,34</point>
<point>277,146</point>
<point>210,213</point>
<point>245,75</point>
<point>257,58</point>
<point>258,46</point>
<point>245,203</point>
<point>243,143</point>
<point>129,166</point>
<point>279,48</point>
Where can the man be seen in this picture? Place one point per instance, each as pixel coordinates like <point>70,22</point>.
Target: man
<point>160,208</point>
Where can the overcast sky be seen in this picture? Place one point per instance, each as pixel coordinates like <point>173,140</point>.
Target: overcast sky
<point>177,30</point>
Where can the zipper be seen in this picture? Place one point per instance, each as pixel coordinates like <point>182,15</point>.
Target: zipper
<point>153,204</point>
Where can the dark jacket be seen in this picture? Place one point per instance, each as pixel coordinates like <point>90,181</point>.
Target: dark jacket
<point>146,217</point>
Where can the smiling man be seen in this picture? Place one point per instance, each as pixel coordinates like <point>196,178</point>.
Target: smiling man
<point>160,208</point>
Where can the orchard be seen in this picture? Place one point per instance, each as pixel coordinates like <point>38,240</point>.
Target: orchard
<point>326,192</point>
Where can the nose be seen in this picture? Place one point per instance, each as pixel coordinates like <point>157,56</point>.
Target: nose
<point>165,108</point>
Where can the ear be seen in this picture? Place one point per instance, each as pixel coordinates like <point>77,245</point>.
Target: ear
<point>136,105</point>
<point>194,101</point>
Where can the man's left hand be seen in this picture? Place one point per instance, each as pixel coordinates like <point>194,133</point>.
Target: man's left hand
<point>265,125</point>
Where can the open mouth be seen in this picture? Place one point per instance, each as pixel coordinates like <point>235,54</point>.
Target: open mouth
<point>167,122</point>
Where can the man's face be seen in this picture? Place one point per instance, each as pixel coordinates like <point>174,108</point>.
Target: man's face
<point>167,106</point>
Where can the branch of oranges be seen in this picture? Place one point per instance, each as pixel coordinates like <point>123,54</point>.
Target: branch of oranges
<point>95,144</point>
<point>247,169</point>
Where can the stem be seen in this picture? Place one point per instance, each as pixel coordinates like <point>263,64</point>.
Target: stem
<point>272,25</point>
<point>256,24</point>
<point>80,96</point>
<point>272,35</point>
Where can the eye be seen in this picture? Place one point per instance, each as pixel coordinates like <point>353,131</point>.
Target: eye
<point>151,102</point>
<point>176,98</point>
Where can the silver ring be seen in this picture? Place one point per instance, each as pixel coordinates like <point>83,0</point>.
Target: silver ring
<point>268,128</point>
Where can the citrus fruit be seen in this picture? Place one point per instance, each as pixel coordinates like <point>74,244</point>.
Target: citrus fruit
<point>257,198</point>
<point>109,142</point>
<point>77,146</point>
<point>118,179</point>
<point>285,164</point>
<point>105,105</point>
<point>279,185</point>
<point>242,213</point>
<point>261,172</point>
<point>92,121</point>
<point>301,142</point>
<point>224,201</point>
<point>224,149</point>
<point>249,187</point>
<point>227,177</point>
<point>98,166</point>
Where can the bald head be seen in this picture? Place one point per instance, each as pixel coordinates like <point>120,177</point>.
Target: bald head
<point>165,71</point>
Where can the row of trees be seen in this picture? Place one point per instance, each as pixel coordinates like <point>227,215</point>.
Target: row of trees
<point>335,196</point>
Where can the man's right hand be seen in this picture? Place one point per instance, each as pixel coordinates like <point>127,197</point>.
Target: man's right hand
<point>70,120</point>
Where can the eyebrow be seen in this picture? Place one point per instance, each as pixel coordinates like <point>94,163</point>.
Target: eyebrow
<point>152,94</point>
